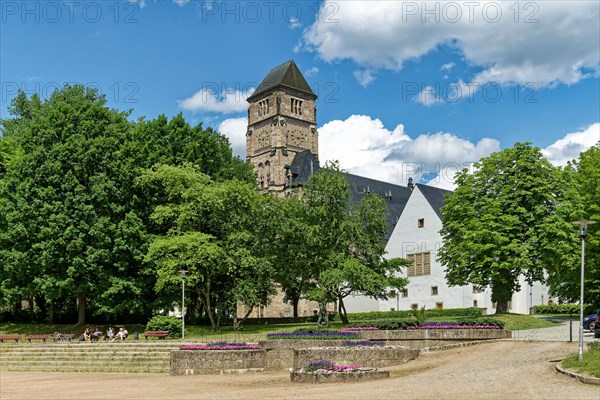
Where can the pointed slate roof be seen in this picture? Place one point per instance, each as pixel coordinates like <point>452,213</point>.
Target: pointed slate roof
<point>302,167</point>
<point>287,75</point>
<point>395,196</point>
<point>435,197</point>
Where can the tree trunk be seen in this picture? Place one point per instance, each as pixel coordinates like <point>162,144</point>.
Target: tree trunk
<point>237,322</point>
<point>342,310</point>
<point>209,311</point>
<point>295,302</point>
<point>51,312</point>
<point>81,309</point>
<point>501,307</point>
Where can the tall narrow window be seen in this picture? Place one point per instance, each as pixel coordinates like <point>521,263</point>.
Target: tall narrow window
<point>421,223</point>
<point>263,107</point>
<point>296,106</point>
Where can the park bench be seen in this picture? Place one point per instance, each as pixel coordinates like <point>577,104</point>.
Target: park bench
<point>38,336</point>
<point>9,336</point>
<point>156,334</point>
<point>61,337</point>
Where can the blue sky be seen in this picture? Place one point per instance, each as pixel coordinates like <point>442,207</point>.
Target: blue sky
<point>404,88</point>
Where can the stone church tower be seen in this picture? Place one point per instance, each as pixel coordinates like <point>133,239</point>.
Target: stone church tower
<point>282,141</point>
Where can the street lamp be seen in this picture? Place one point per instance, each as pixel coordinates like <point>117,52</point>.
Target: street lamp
<point>582,234</point>
<point>183,273</point>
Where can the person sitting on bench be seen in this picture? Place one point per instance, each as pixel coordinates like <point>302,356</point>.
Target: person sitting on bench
<point>122,334</point>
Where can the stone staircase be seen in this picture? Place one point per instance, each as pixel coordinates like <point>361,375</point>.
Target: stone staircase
<point>123,357</point>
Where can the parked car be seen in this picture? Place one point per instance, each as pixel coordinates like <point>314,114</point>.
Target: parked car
<point>589,322</point>
<point>597,326</point>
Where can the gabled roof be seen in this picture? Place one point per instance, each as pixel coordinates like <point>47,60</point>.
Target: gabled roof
<point>435,197</point>
<point>302,167</point>
<point>395,196</point>
<point>287,75</point>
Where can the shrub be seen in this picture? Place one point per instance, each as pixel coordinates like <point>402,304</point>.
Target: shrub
<point>563,309</point>
<point>387,315</point>
<point>164,323</point>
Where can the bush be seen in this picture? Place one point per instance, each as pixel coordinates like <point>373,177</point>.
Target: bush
<point>390,325</point>
<point>563,309</point>
<point>164,323</point>
<point>387,315</point>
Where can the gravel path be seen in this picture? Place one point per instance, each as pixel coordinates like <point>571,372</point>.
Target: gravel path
<point>499,370</point>
<point>558,333</point>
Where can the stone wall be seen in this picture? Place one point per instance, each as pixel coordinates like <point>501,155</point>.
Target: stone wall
<point>437,334</point>
<point>362,357</point>
<point>204,362</point>
<point>303,377</point>
<point>280,353</point>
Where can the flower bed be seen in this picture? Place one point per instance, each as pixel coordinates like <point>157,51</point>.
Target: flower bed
<point>313,335</point>
<point>453,325</point>
<point>362,343</point>
<point>326,371</point>
<point>359,328</point>
<point>221,346</point>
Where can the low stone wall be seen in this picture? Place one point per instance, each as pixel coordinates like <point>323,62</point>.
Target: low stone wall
<point>437,334</point>
<point>364,357</point>
<point>280,353</point>
<point>211,362</point>
<point>307,377</point>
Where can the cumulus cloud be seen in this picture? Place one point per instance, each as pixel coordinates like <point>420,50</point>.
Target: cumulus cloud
<point>295,23</point>
<point>364,146</point>
<point>311,72</point>
<point>569,147</point>
<point>235,130</point>
<point>546,43</point>
<point>226,102</point>
<point>364,77</point>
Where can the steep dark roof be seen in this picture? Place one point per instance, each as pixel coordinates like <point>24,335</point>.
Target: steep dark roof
<point>287,75</point>
<point>302,167</point>
<point>435,197</point>
<point>395,196</point>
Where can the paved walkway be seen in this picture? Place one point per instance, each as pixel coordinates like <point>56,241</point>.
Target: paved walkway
<point>558,333</point>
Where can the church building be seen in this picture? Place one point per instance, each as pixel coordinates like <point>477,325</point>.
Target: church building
<point>282,143</point>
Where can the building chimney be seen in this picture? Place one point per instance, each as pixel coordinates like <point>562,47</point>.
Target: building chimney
<point>410,183</point>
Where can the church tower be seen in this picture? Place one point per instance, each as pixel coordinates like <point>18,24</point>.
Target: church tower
<point>282,131</point>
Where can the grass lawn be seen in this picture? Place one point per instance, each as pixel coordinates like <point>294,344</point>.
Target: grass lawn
<point>590,363</point>
<point>252,333</point>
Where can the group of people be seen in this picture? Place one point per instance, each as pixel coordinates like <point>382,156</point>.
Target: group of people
<point>87,335</point>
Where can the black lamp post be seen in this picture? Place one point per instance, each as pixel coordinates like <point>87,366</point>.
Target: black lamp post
<point>583,224</point>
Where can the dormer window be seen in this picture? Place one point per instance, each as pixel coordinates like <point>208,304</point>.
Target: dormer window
<point>296,106</point>
<point>263,107</point>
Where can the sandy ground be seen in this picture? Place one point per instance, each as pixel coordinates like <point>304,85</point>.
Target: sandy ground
<point>501,370</point>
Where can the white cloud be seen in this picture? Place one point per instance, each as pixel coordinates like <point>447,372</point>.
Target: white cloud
<point>142,3</point>
<point>311,72</point>
<point>294,23</point>
<point>235,129</point>
<point>365,147</point>
<point>228,101</point>
<point>181,3</point>
<point>569,147</point>
<point>447,67</point>
<point>364,77</point>
<point>545,43</point>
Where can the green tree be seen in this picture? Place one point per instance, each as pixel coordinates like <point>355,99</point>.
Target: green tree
<point>504,220</point>
<point>344,241</point>
<point>215,231</point>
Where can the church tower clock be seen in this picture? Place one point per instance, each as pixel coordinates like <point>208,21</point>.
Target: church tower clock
<point>281,127</point>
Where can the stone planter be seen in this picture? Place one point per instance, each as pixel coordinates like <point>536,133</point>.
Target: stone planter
<point>373,356</point>
<point>280,353</point>
<point>309,377</point>
<point>216,362</point>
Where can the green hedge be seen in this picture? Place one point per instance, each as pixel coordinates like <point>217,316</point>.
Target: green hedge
<point>450,312</point>
<point>164,323</point>
<point>563,309</point>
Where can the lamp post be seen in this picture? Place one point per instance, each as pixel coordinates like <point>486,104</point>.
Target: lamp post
<point>583,224</point>
<point>183,273</point>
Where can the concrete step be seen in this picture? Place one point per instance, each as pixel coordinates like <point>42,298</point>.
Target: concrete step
<point>78,368</point>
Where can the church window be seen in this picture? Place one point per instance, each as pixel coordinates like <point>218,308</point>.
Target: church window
<point>419,264</point>
<point>296,106</point>
<point>263,107</point>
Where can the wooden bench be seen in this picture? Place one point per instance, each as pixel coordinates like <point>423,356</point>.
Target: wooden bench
<point>156,334</point>
<point>38,336</point>
<point>61,337</point>
<point>10,336</point>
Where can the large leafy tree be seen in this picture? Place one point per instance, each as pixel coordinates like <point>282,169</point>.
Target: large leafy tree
<point>344,250</point>
<point>216,231</point>
<point>565,280</point>
<point>509,217</point>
